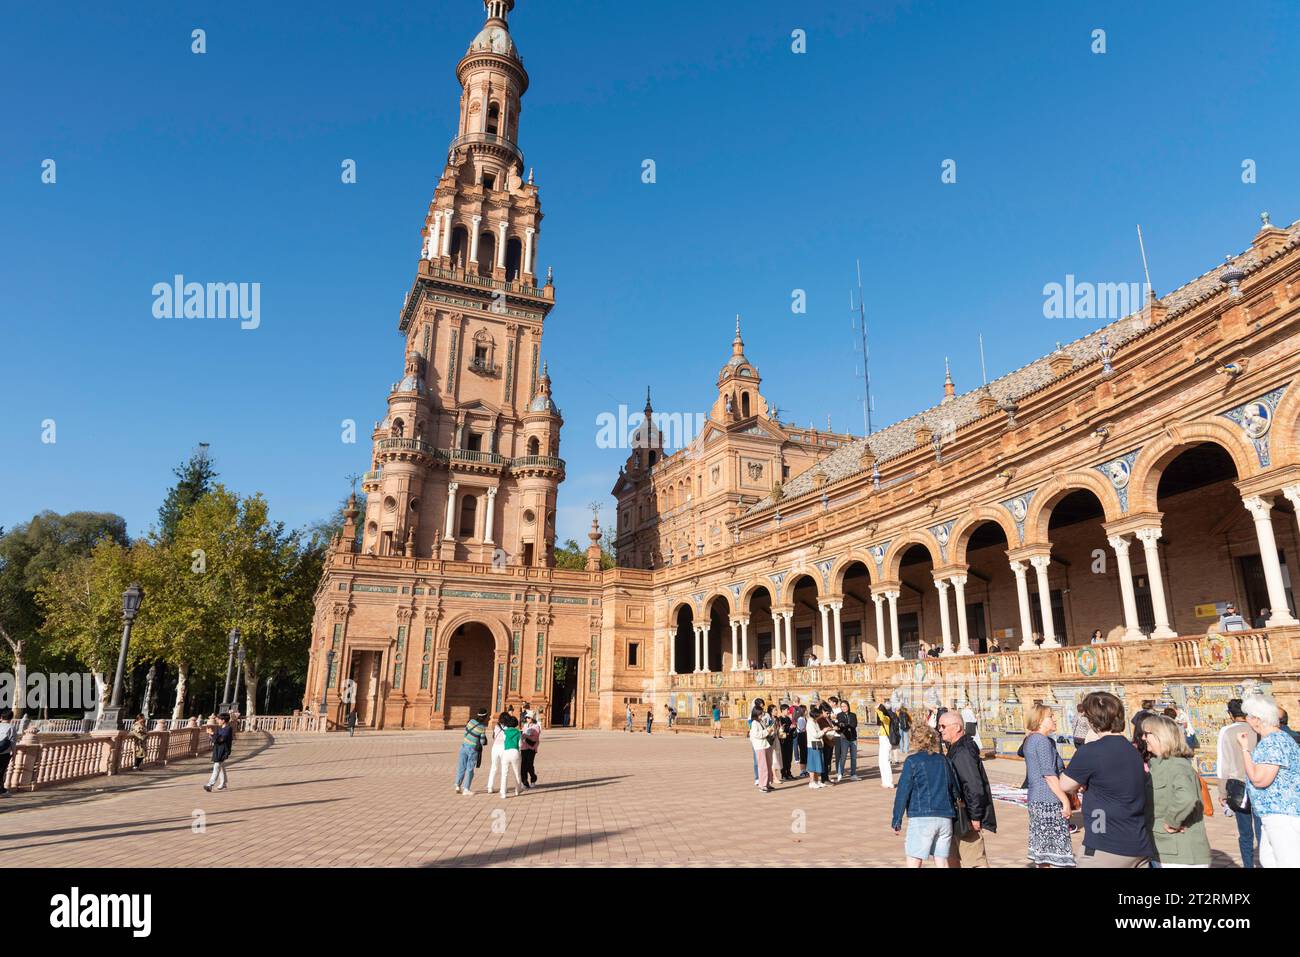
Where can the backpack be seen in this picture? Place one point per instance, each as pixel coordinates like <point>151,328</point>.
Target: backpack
<point>895,738</point>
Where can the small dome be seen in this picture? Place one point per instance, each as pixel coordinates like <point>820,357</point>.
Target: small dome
<point>543,403</point>
<point>494,39</point>
<point>412,383</point>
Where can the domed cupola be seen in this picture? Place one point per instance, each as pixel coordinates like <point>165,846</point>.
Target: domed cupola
<point>542,401</point>
<point>413,379</point>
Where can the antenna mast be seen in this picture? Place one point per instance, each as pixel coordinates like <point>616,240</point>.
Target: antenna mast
<point>862,327</point>
<point>1142,246</point>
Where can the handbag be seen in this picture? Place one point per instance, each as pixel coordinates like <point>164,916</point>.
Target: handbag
<point>1235,794</point>
<point>1207,803</point>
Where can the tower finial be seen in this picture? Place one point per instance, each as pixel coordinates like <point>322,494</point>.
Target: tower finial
<point>648,410</point>
<point>949,390</point>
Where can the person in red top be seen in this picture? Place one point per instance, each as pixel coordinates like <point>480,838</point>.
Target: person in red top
<point>528,744</point>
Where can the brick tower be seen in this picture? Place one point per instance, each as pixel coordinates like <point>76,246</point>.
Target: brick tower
<point>466,462</point>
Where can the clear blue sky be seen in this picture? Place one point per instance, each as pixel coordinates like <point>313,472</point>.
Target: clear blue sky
<point>775,171</point>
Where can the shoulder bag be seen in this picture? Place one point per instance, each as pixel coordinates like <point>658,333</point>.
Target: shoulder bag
<point>961,825</point>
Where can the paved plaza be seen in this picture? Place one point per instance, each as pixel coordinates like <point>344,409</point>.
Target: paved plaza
<point>386,799</point>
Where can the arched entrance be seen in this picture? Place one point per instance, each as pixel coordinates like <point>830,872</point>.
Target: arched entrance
<point>856,626</point>
<point>917,597</point>
<point>1079,550</point>
<point>719,635</point>
<point>991,601</point>
<point>761,637</point>
<point>808,639</point>
<point>471,656</point>
<point>684,642</point>
<point>1210,547</point>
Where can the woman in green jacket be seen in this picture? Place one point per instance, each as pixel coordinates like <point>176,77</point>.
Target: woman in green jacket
<point>1174,813</point>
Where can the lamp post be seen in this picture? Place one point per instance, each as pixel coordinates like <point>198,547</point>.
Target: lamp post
<point>239,670</point>
<point>230,657</point>
<point>131,599</point>
<point>325,682</point>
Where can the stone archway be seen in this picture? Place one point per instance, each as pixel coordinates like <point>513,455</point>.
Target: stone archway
<point>471,673</point>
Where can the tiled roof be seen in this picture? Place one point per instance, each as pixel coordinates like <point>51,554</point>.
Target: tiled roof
<point>899,438</point>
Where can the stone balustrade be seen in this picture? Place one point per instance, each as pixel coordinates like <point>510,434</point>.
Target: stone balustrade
<point>1261,654</point>
<point>44,759</point>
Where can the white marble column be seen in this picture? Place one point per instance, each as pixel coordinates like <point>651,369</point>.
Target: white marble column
<point>878,600</point>
<point>1132,632</point>
<point>446,233</point>
<point>778,643</point>
<point>941,586</point>
<point>963,628</point>
<point>473,241</point>
<point>744,643</point>
<point>491,512</point>
<point>501,244</point>
<point>734,649</point>
<point>1040,563</point>
<point>527,265</point>
<point>1022,597</point>
<point>449,531</point>
<point>892,595</point>
<point>825,609</point>
<point>696,629</point>
<point>1149,537</point>
<point>672,651</point>
<point>431,247</point>
<point>704,646</point>
<point>836,607</point>
<point>789,639</point>
<point>1261,510</point>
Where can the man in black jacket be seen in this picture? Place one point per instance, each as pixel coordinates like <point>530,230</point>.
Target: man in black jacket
<point>222,739</point>
<point>968,851</point>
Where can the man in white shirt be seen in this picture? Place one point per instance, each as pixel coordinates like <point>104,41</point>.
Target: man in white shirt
<point>1232,768</point>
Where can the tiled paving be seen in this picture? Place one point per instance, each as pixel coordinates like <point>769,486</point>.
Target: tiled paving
<point>606,798</point>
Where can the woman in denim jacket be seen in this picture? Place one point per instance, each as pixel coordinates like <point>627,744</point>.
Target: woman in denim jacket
<point>928,795</point>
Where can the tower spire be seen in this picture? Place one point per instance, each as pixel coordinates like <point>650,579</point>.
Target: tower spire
<point>737,344</point>
<point>949,390</point>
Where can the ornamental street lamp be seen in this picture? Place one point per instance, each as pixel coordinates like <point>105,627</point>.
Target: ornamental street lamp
<point>325,683</point>
<point>131,599</point>
<point>239,669</point>
<point>230,657</point>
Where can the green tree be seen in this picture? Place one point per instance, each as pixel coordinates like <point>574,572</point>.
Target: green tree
<point>194,479</point>
<point>30,552</point>
<point>81,606</point>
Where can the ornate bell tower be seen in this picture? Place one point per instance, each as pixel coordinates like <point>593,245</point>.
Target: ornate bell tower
<point>466,463</point>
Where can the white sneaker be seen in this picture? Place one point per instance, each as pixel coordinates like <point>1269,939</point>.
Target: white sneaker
<point>456,788</point>
<point>467,792</point>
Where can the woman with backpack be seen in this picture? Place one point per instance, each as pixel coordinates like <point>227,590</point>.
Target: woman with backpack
<point>904,721</point>
<point>1178,816</point>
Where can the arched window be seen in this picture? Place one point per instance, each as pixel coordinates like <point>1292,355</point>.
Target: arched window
<point>398,428</point>
<point>534,448</point>
<point>459,244</point>
<point>494,118</point>
<point>514,258</point>
<point>744,404</point>
<point>487,253</point>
